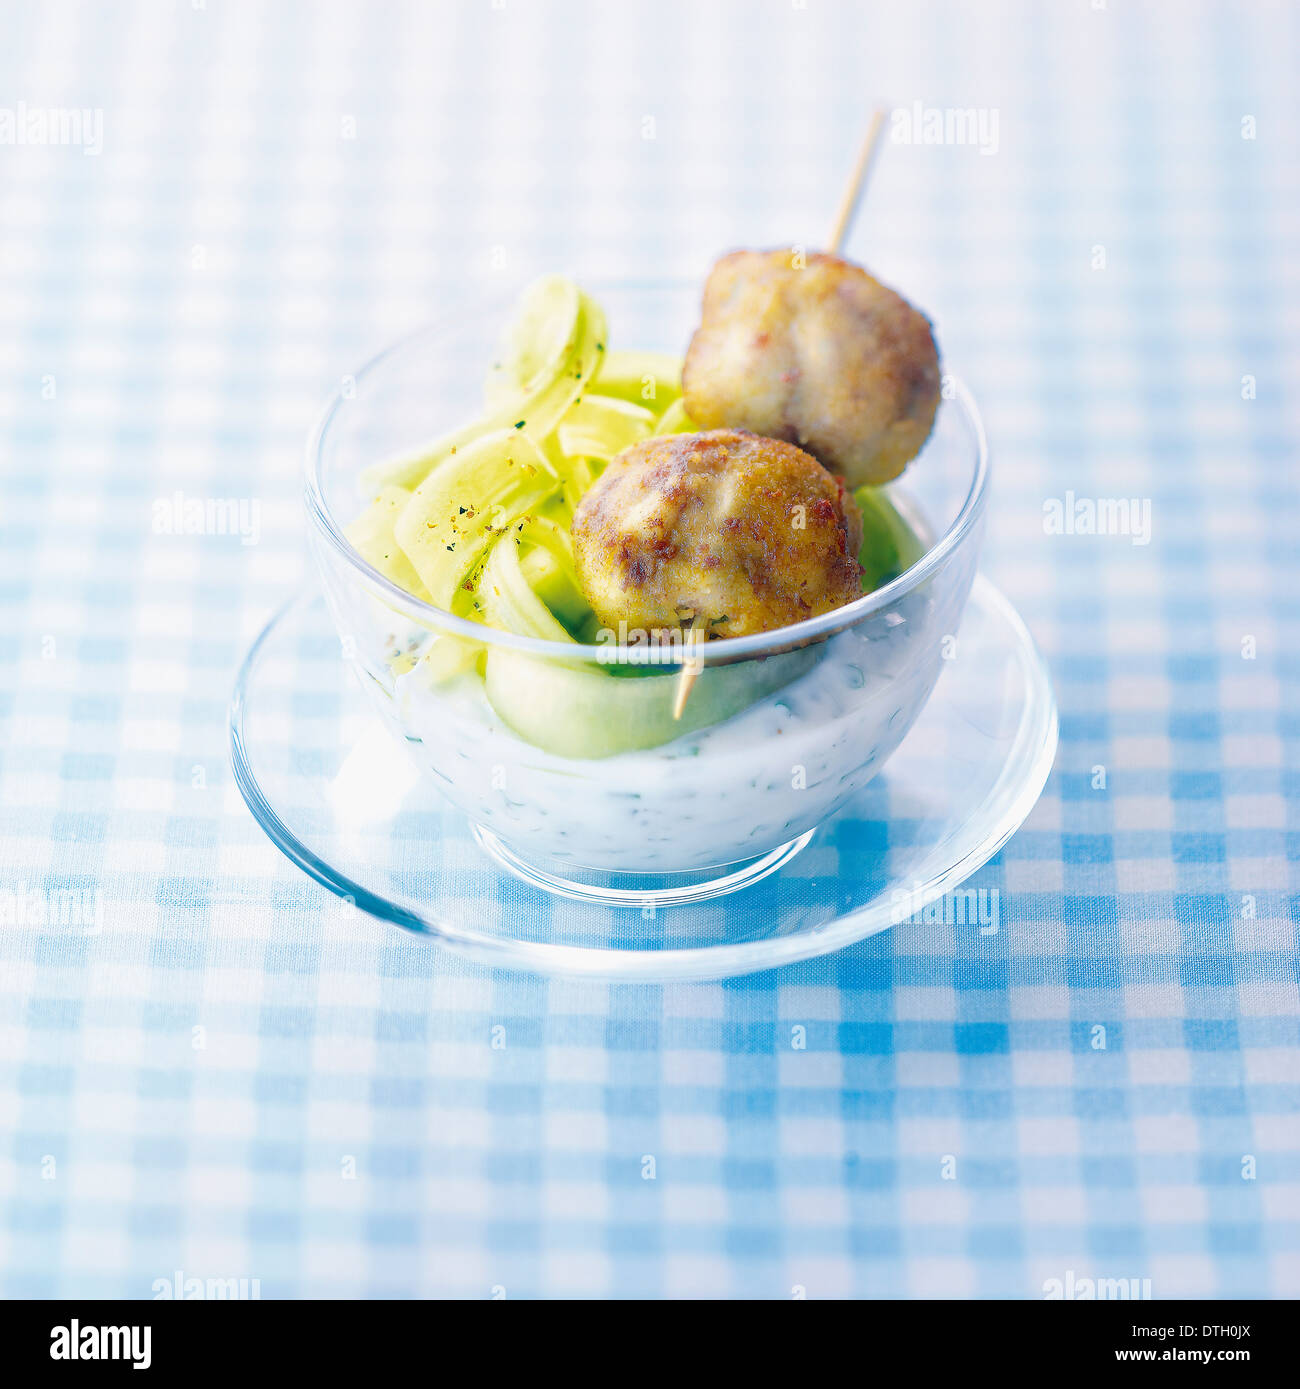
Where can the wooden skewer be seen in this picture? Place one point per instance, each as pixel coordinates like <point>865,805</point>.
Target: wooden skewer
<point>848,209</point>
<point>857,182</point>
<point>691,669</point>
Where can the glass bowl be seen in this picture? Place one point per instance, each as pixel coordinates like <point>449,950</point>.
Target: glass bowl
<point>781,729</point>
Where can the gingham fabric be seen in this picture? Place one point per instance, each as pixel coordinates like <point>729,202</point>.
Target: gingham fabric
<point>208,1070</point>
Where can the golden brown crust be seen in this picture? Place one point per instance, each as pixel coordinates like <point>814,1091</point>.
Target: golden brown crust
<point>725,531</point>
<point>819,354</point>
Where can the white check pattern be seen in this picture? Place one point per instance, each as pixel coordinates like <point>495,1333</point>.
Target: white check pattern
<point>220,1072</point>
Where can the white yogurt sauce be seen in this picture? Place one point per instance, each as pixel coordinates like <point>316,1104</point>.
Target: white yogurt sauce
<point>719,795</point>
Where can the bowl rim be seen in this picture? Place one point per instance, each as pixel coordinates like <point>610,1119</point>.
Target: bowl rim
<point>715,652</point>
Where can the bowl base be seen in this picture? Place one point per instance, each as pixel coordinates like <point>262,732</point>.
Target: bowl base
<point>644,891</point>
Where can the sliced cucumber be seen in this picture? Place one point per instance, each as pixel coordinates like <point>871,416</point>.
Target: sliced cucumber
<point>536,343</point>
<point>456,512</point>
<point>602,426</point>
<point>554,583</point>
<point>675,420</point>
<point>509,601</point>
<point>373,538</point>
<point>582,711</point>
<point>548,534</point>
<point>889,546</point>
<point>449,656</point>
<point>652,379</point>
<point>535,414</point>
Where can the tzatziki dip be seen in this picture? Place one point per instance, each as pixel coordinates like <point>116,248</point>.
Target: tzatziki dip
<point>718,795</point>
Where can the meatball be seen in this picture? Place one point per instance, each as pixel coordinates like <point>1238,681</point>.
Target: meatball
<point>819,354</point>
<point>724,532</point>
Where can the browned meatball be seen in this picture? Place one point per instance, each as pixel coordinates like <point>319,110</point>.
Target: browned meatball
<point>819,354</point>
<point>725,532</point>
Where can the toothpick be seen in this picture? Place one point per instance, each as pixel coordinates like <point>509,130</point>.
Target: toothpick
<point>857,182</point>
<point>691,670</point>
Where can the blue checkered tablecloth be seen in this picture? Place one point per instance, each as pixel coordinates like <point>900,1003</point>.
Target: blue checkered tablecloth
<point>201,1075</point>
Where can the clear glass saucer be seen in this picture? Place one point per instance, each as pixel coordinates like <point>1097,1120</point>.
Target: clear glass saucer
<point>335,790</point>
